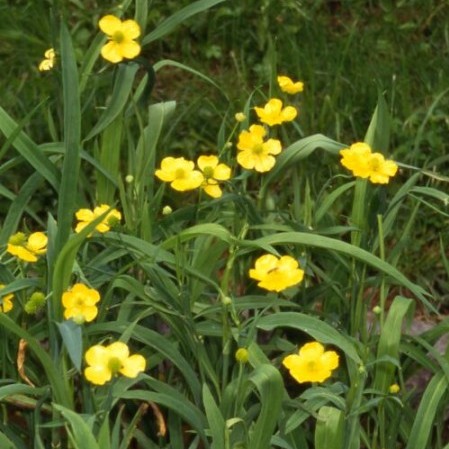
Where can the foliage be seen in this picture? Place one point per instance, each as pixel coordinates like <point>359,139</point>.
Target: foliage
<point>184,307</point>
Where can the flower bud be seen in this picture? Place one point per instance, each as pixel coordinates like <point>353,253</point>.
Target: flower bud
<point>242,355</point>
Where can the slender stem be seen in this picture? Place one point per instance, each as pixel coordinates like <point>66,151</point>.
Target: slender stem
<point>382,294</point>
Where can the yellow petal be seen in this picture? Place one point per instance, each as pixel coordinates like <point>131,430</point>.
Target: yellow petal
<point>84,215</point>
<point>118,350</point>
<point>111,52</point>
<point>222,172</point>
<point>133,365</point>
<point>131,29</point>
<point>97,355</point>
<point>129,49</point>
<point>21,252</point>
<point>37,242</point>
<point>213,190</point>
<point>110,24</point>
<point>207,161</point>
<point>98,374</point>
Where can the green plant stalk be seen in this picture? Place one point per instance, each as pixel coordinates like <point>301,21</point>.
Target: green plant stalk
<point>226,305</point>
<point>382,294</point>
<point>358,220</point>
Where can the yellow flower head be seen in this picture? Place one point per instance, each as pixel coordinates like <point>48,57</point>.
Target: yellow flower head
<point>180,173</point>
<point>254,153</point>
<point>5,301</point>
<point>313,364</point>
<point>276,274</point>
<point>213,172</point>
<point>85,216</point>
<point>49,61</point>
<point>273,113</point>
<point>27,249</point>
<point>79,303</point>
<point>121,35</point>
<point>288,86</point>
<point>363,163</point>
<point>104,362</point>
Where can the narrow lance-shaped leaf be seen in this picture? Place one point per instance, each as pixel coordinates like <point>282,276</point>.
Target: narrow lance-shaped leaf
<point>72,132</point>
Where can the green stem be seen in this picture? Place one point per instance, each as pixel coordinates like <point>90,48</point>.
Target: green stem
<point>382,294</point>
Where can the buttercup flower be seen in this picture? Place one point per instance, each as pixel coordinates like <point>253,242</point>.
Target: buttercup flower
<point>276,274</point>
<point>85,216</point>
<point>313,364</point>
<point>288,86</point>
<point>79,303</point>
<point>6,301</point>
<point>254,152</point>
<point>213,172</point>
<point>49,61</point>
<point>104,362</point>
<point>180,173</point>
<point>273,113</point>
<point>121,36</point>
<point>365,164</point>
<point>27,249</point>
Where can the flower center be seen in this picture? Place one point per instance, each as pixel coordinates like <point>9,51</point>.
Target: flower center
<point>118,37</point>
<point>180,173</point>
<point>114,365</point>
<point>374,164</point>
<point>311,365</point>
<point>258,149</point>
<point>208,172</point>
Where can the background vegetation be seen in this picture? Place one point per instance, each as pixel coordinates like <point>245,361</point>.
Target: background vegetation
<point>175,286</point>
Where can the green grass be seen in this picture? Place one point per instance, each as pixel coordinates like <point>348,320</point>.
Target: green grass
<point>176,287</point>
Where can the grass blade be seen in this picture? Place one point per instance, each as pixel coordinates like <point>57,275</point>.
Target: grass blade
<point>168,25</point>
<point>72,134</point>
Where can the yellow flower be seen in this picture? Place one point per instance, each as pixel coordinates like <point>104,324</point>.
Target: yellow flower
<point>363,163</point>
<point>49,61</point>
<point>313,364</point>
<point>104,362</point>
<point>254,152</point>
<point>273,114</point>
<point>85,216</point>
<point>394,388</point>
<point>213,172</point>
<point>6,301</point>
<point>276,274</point>
<point>121,35</point>
<point>27,249</point>
<point>180,173</point>
<point>79,303</point>
<point>288,86</point>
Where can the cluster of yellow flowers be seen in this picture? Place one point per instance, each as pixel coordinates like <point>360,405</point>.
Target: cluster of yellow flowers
<point>182,175</point>
<point>79,302</point>
<point>254,151</point>
<point>365,164</point>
